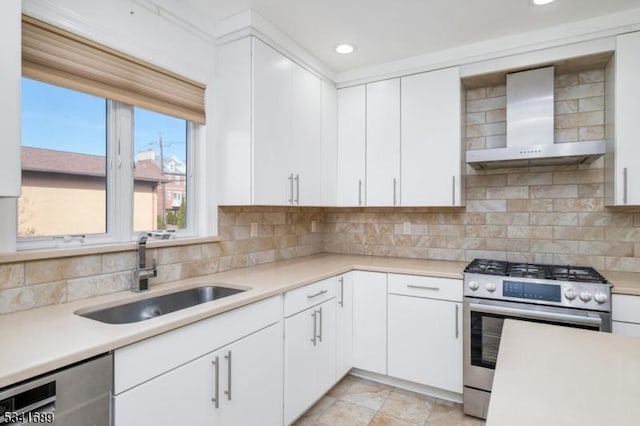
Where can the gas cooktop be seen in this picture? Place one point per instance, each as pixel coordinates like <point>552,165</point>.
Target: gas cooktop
<point>570,273</point>
<point>554,285</point>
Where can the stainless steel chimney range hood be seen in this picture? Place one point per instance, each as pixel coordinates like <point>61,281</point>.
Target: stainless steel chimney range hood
<point>530,128</point>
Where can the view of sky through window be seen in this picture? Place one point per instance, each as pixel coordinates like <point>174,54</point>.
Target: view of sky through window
<point>64,149</point>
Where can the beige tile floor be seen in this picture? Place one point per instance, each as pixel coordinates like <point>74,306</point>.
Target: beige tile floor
<point>355,401</point>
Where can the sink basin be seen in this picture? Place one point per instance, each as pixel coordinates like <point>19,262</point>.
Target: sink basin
<point>159,305</point>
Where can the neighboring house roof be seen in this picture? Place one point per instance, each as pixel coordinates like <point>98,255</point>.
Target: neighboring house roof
<point>72,163</point>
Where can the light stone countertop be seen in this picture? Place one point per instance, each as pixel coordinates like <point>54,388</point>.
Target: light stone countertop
<point>623,282</point>
<point>44,339</point>
<point>550,375</point>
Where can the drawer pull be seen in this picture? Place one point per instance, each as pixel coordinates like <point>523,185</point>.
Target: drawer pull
<point>423,287</point>
<point>320,293</point>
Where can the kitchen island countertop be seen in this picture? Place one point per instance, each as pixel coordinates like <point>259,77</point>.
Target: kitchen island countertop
<point>550,375</point>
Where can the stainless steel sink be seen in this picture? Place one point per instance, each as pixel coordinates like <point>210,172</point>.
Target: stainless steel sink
<point>159,305</point>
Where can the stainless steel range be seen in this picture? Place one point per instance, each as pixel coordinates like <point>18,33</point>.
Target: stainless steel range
<point>569,296</point>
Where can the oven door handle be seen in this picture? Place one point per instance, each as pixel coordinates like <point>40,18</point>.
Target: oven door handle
<point>525,313</point>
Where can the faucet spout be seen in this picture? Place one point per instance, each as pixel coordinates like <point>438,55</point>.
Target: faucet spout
<point>142,273</point>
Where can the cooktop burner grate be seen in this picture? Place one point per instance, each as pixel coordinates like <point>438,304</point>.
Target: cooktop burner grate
<point>533,270</point>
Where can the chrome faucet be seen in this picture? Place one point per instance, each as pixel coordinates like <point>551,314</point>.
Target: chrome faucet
<point>142,273</point>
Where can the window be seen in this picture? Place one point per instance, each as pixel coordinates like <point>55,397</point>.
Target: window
<point>76,185</point>
<point>105,136</point>
<point>64,173</point>
<point>160,143</point>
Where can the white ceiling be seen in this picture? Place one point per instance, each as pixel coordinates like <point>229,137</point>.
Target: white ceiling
<point>388,30</point>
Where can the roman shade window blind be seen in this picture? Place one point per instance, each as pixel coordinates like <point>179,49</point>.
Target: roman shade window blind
<point>59,57</point>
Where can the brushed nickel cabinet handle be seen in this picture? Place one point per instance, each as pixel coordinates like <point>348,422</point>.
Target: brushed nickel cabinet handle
<point>291,188</point>
<point>394,191</point>
<point>315,329</point>
<point>423,287</point>
<point>228,391</point>
<point>321,292</point>
<point>359,192</point>
<point>341,302</point>
<point>624,182</point>
<point>297,179</point>
<point>320,328</point>
<point>457,308</point>
<point>453,191</point>
<point>216,388</point>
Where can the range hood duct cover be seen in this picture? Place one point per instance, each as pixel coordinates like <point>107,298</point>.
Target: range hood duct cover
<point>530,122</point>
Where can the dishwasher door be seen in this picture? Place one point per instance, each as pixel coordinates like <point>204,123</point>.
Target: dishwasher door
<point>78,395</point>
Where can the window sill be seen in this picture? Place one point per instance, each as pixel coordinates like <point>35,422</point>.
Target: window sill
<point>28,255</point>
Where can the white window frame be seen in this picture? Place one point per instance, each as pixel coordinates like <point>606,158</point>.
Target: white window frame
<point>120,187</point>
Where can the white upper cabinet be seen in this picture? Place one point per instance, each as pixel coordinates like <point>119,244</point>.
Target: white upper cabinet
<point>409,133</point>
<point>270,127</point>
<point>10,48</point>
<point>351,146</point>
<point>622,102</point>
<point>273,153</point>
<point>431,128</point>
<point>329,144</point>
<point>383,143</point>
<point>306,139</point>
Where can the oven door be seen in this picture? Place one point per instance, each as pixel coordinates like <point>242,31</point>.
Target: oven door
<point>483,320</point>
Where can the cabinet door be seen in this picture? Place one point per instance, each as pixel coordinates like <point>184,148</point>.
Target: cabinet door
<point>370,321</point>
<point>627,125</point>
<point>329,144</point>
<point>10,72</point>
<point>425,341</point>
<point>306,146</point>
<point>309,358</point>
<point>234,118</point>
<point>180,397</point>
<point>272,112</point>
<point>351,146</point>
<point>251,369</point>
<point>383,143</point>
<point>344,325</point>
<point>431,139</point>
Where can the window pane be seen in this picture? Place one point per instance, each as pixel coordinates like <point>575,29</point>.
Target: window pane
<point>64,140</point>
<point>160,184</point>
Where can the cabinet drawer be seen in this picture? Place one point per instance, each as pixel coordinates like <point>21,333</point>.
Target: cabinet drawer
<point>430,287</point>
<point>302,298</point>
<point>625,308</point>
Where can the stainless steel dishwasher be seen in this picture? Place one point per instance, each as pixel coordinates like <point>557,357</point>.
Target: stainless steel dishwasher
<point>78,395</point>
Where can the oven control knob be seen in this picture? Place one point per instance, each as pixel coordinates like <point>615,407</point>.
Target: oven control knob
<point>473,285</point>
<point>491,287</point>
<point>585,296</point>
<point>600,297</point>
<point>570,294</point>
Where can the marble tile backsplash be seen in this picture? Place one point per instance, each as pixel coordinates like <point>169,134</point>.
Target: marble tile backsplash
<point>282,233</point>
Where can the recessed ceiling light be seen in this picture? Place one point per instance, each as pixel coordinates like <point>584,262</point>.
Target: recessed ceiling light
<point>345,49</point>
<point>541,2</point>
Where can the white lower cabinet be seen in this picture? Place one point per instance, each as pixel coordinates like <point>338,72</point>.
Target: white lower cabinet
<point>309,357</point>
<point>226,387</point>
<point>213,372</point>
<point>425,341</point>
<point>370,321</point>
<point>425,331</point>
<point>344,324</point>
